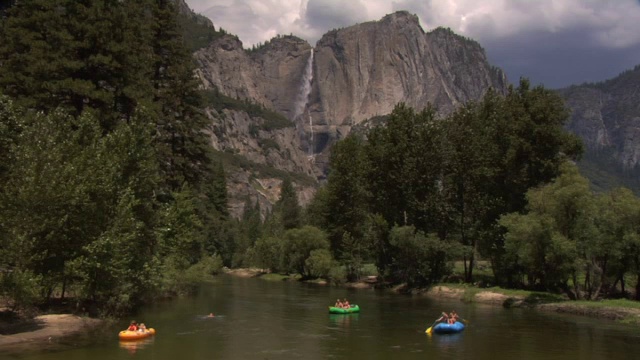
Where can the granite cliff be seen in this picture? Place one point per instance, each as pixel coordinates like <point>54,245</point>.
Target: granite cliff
<point>349,76</point>
<point>606,116</point>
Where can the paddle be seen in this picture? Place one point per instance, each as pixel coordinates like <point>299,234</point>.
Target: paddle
<point>430,328</point>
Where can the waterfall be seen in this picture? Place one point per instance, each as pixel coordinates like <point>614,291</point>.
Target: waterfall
<point>303,99</point>
<point>305,88</point>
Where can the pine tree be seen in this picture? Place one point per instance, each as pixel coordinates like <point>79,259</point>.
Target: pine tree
<point>182,142</point>
<point>288,206</point>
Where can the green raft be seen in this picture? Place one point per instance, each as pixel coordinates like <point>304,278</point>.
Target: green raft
<point>337,310</point>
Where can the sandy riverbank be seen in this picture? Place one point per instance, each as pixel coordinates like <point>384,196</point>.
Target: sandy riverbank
<point>44,330</point>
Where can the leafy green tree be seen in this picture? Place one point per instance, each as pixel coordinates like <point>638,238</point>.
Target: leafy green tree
<point>420,259</point>
<point>268,252</point>
<point>469,166</point>
<point>54,211</point>
<point>182,232</point>
<point>617,217</point>
<point>532,144</point>
<point>319,263</point>
<point>376,237</point>
<point>299,243</point>
<point>549,241</point>
<point>249,231</point>
<point>347,196</point>
<point>404,169</point>
<point>9,132</point>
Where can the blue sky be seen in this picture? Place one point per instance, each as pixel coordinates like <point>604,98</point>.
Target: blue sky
<point>552,42</point>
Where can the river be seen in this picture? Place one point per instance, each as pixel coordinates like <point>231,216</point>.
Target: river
<point>258,319</point>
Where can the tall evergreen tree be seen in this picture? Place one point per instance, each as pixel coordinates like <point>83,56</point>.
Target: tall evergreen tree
<point>288,206</point>
<point>77,55</point>
<point>182,142</point>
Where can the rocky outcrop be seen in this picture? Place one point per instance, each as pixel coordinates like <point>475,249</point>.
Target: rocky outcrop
<point>606,115</point>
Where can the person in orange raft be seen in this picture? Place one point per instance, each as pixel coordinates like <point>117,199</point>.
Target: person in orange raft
<point>133,326</point>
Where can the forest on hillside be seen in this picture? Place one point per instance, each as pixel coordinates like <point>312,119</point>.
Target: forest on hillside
<point>111,194</point>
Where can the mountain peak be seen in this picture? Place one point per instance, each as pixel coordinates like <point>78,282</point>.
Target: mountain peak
<point>401,16</point>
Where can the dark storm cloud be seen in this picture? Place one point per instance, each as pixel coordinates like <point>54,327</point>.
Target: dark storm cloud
<point>559,59</point>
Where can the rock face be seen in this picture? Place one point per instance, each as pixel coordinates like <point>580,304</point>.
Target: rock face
<point>606,115</point>
<point>365,70</point>
<point>269,76</point>
<point>351,75</point>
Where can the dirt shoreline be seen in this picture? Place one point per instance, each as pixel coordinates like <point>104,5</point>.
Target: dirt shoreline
<point>45,330</point>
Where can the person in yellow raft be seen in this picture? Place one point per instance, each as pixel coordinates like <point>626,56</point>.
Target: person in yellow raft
<point>133,326</point>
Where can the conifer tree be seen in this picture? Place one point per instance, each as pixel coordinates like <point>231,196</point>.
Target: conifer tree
<point>182,142</point>
<point>288,206</point>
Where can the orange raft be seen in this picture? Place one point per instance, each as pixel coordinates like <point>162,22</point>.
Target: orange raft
<point>136,335</point>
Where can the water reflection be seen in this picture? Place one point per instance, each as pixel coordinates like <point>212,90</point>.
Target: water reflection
<point>133,346</point>
<point>445,341</point>
<point>343,320</point>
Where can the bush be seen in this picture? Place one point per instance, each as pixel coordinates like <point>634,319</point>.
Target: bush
<point>319,263</point>
<point>21,288</point>
<point>337,275</point>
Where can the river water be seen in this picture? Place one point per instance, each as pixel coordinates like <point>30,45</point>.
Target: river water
<point>258,319</point>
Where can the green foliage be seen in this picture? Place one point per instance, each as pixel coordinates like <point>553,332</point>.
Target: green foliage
<point>319,263</point>
<point>337,275</point>
<point>347,197</point>
<point>181,234</point>
<point>402,171</point>
<point>420,259</point>
<point>546,242</point>
<point>21,288</point>
<point>178,280</point>
<point>105,171</point>
<point>287,206</point>
<point>197,31</point>
<point>299,243</point>
<point>268,253</point>
<point>451,178</point>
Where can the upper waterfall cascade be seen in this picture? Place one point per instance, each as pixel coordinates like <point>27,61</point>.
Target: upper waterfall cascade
<point>303,99</point>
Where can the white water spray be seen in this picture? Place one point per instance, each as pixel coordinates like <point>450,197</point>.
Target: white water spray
<point>303,98</point>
